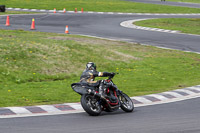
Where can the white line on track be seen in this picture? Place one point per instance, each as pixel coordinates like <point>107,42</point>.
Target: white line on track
<point>19,110</point>
<point>43,10</point>
<point>49,108</point>
<point>16,8</point>
<point>90,12</point>
<point>33,9</point>
<point>160,97</point>
<point>173,94</point>
<point>170,101</point>
<point>141,99</point>
<point>186,91</point>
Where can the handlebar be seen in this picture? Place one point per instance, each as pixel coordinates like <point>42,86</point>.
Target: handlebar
<point>110,77</point>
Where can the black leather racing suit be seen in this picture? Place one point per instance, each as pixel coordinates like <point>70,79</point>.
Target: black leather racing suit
<point>88,76</point>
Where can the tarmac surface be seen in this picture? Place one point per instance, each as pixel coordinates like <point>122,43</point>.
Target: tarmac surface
<point>177,117</point>
<point>107,26</point>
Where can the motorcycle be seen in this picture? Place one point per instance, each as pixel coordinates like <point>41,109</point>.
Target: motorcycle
<point>110,100</point>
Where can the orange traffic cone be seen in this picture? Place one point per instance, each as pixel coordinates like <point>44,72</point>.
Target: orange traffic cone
<point>67,29</point>
<point>75,10</point>
<point>54,11</point>
<point>82,10</point>
<point>7,21</point>
<point>64,10</point>
<point>33,24</point>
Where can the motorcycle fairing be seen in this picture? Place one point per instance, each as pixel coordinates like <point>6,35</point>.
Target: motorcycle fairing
<point>81,88</point>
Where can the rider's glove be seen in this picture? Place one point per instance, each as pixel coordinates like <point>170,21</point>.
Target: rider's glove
<point>105,74</point>
<point>112,74</point>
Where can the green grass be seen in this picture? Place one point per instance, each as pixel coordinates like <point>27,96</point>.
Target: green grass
<point>98,5</point>
<point>185,25</point>
<point>16,12</point>
<point>190,1</point>
<point>38,68</point>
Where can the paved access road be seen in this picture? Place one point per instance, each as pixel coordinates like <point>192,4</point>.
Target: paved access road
<point>166,2</point>
<point>177,117</point>
<point>106,26</point>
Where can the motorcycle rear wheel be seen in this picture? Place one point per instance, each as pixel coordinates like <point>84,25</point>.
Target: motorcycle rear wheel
<point>91,105</point>
<point>126,103</point>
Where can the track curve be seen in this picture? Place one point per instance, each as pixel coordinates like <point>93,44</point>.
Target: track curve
<point>107,26</point>
<point>178,117</point>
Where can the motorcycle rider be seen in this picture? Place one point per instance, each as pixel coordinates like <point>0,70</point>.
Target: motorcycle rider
<point>89,74</point>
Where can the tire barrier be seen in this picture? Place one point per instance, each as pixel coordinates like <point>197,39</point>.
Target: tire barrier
<point>2,8</point>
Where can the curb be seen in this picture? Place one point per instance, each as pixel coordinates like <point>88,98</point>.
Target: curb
<point>66,108</point>
<point>129,24</point>
<point>92,12</point>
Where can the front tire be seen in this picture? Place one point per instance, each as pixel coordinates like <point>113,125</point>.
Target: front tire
<point>90,105</point>
<point>126,103</point>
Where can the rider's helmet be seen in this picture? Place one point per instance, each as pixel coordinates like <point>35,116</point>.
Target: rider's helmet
<point>91,66</point>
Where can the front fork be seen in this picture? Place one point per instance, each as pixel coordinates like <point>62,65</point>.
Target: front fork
<point>119,95</point>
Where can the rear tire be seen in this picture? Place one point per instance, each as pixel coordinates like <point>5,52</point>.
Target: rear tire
<point>126,103</point>
<point>90,105</point>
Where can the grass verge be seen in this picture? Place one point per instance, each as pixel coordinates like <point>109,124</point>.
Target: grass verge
<point>38,68</point>
<point>185,25</point>
<point>16,12</point>
<point>98,5</point>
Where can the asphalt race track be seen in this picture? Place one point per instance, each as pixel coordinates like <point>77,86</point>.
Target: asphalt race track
<point>178,117</point>
<point>106,26</point>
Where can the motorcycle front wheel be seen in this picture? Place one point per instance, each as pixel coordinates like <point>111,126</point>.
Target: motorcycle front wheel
<point>91,105</point>
<point>126,103</point>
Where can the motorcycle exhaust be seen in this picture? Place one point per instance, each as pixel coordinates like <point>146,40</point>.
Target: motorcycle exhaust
<point>96,94</point>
